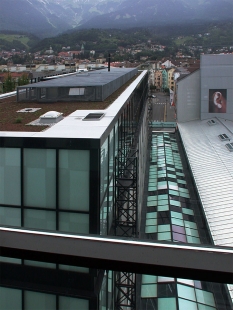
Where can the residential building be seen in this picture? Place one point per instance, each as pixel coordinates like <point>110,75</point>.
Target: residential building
<point>158,80</point>
<point>164,79</point>
<point>170,81</point>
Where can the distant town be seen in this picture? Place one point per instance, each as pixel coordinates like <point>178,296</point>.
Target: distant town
<point>166,58</point>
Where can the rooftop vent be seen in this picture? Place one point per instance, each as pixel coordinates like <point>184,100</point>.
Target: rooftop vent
<point>50,117</point>
<point>212,122</point>
<point>93,117</point>
<point>224,137</point>
<point>229,146</point>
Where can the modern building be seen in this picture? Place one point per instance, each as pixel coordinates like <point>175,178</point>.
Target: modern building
<point>204,104</point>
<point>70,178</point>
<point>105,172</point>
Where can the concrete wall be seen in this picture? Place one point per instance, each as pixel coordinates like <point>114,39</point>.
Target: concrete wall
<point>216,80</point>
<point>188,98</point>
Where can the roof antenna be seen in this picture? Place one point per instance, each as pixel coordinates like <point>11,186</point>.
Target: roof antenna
<point>109,58</point>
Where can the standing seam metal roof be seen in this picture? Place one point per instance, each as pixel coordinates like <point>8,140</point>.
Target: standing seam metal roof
<point>212,167</point>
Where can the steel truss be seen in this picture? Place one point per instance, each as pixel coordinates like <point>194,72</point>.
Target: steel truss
<point>125,290</point>
<point>126,195</point>
<point>125,223</point>
<point>126,210</point>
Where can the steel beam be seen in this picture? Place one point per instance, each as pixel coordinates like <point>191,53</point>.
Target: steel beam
<point>205,263</point>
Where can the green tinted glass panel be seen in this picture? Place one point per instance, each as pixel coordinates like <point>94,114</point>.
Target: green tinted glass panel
<point>151,215</point>
<point>205,297</point>
<point>175,193</point>
<point>183,190</point>
<point>152,188</point>
<point>70,303</point>
<point>152,203</point>
<point>191,239</point>
<point>40,219</point>
<point>164,236</point>
<point>39,301</point>
<point>74,222</point>
<point>150,229</point>
<point>74,268</point>
<point>10,176</point>
<point>10,299</point>
<point>187,305</point>
<point>184,195</point>
<point>175,203</point>
<point>146,279</point>
<point>152,198</point>
<point>40,178</point>
<point>187,211</point>
<point>190,224</point>
<point>162,202</point>
<point>186,292</point>
<point>74,172</point>
<point>10,260</point>
<point>181,181</point>
<point>191,232</point>
<point>149,290</point>
<point>39,264</point>
<point>152,221</point>
<point>162,197</point>
<point>164,228</point>
<point>163,208</point>
<point>167,303</point>
<point>177,215</point>
<point>10,216</point>
<point>178,222</point>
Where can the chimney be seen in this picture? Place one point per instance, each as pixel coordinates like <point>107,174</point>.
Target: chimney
<point>109,58</point>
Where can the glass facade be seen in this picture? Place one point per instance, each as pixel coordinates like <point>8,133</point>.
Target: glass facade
<point>128,135</point>
<point>70,186</point>
<point>45,189</point>
<point>172,215</point>
<point>16,299</point>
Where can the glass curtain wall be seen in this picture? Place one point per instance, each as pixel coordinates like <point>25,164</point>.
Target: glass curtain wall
<point>50,190</point>
<point>16,299</point>
<point>172,215</point>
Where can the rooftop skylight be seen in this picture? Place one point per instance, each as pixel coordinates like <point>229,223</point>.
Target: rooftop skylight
<point>93,117</point>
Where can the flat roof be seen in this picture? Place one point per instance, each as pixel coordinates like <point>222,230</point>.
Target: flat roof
<point>90,78</point>
<point>72,125</point>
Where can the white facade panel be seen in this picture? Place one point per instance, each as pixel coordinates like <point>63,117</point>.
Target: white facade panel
<point>188,97</point>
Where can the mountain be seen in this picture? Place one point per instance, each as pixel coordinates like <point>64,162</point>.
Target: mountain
<point>46,18</point>
<point>140,13</point>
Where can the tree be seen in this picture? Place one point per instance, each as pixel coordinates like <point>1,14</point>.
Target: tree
<point>9,84</point>
<point>23,80</point>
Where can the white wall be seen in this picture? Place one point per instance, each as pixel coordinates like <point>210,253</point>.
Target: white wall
<point>188,98</point>
<point>216,75</point>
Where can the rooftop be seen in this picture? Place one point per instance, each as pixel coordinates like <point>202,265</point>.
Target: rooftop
<point>14,121</point>
<point>211,166</point>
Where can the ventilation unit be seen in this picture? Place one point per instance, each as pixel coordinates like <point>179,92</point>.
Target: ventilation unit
<point>229,146</point>
<point>224,137</point>
<point>212,122</point>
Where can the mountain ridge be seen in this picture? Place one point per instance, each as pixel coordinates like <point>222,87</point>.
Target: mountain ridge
<point>46,18</point>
